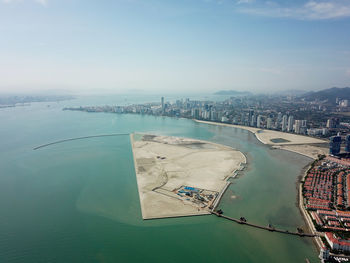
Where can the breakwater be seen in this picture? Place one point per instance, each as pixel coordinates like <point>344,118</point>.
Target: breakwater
<point>79,138</point>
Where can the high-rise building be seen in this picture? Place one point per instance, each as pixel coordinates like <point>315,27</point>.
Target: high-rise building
<point>344,103</point>
<point>298,125</point>
<point>334,145</point>
<point>347,143</point>
<point>303,127</point>
<point>162,103</point>
<point>290,123</point>
<point>269,123</point>
<point>259,121</point>
<point>224,119</point>
<point>253,120</point>
<point>284,123</point>
<point>330,123</point>
<point>242,118</point>
<point>213,115</point>
<point>195,113</point>
<point>279,117</point>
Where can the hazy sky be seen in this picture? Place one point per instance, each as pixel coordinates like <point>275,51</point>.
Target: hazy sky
<point>173,46</point>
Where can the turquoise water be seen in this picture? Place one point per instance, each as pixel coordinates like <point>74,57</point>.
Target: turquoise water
<point>77,201</point>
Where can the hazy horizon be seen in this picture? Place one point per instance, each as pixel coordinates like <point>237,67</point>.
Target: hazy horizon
<point>172,47</point>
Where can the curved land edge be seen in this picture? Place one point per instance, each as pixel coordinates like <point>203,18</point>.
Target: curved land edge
<point>312,148</point>
<point>180,176</point>
<point>303,145</point>
<point>79,138</point>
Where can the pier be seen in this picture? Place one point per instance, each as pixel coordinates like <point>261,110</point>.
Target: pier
<point>271,229</point>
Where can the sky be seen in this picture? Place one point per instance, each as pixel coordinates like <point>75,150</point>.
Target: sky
<point>173,46</point>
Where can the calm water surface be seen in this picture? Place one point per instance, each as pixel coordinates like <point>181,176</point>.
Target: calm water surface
<point>78,202</point>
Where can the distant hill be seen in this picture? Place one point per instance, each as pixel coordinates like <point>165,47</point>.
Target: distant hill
<point>233,93</point>
<point>292,92</point>
<point>14,99</point>
<point>328,94</point>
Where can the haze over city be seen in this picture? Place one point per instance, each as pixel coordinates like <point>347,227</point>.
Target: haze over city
<point>174,131</point>
<point>173,46</point>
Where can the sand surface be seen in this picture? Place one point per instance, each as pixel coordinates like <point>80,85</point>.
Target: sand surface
<point>164,164</point>
<point>311,151</point>
<point>304,145</point>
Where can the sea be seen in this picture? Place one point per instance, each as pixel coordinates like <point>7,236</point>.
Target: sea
<point>77,201</point>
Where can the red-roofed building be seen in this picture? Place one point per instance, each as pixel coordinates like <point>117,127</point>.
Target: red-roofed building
<point>336,243</point>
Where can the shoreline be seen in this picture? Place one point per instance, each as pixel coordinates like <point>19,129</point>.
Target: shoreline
<point>304,213</point>
<point>306,217</point>
<point>303,145</point>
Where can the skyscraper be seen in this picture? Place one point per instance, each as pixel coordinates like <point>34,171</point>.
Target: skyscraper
<point>347,143</point>
<point>284,123</point>
<point>298,124</point>
<point>290,123</point>
<point>253,120</point>
<point>334,145</point>
<point>330,123</point>
<point>269,123</point>
<point>162,102</point>
<point>259,121</point>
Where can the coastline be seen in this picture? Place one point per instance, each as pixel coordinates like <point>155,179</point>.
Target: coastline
<point>308,221</point>
<point>303,145</point>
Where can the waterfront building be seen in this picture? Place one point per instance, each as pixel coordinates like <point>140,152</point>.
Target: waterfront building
<point>213,115</point>
<point>284,123</point>
<point>224,119</point>
<point>269,123</point>
<point>250,116</point>
<point>324,254</point>
<point>259,122</point>
<point>298,124</point>
<point>279,117</point>
<point>334,145</point>
<point>195,113</point>
<point>316,132</point>
<point>242,118</point>
<point>347,143</point>
<point>253,120</point>
<point>220,114</point>
<point>303,127</point>
<point>336,243</point>
<point>290,123</point>
<point>162,103</point>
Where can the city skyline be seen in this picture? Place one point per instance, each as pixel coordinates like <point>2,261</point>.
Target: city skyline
<point>168,46</point>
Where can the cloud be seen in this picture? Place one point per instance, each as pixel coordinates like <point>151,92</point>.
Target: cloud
<point>348,72</point>
<point>310,10</point>
<point>244,2</point>
<point>274,71</point>
<point>41,2</point>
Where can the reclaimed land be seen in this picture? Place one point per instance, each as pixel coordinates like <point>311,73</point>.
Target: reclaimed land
<point>165,164</point>
<point>304,145</point>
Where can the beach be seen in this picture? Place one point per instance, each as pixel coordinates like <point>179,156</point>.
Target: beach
<point>304,145</point>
